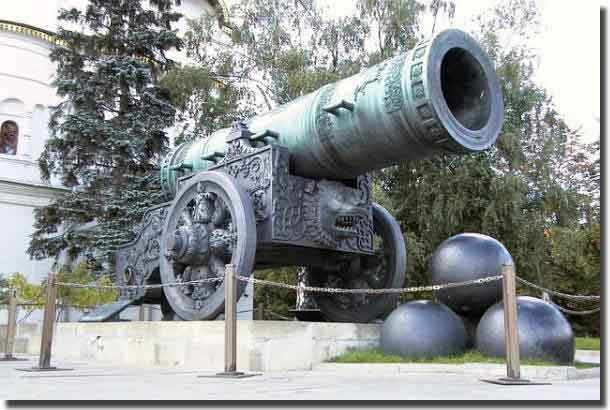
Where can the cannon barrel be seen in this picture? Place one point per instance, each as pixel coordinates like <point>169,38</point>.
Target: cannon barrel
<point>441,96</point>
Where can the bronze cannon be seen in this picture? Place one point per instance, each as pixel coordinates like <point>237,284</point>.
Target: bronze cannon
<point>292,187</point>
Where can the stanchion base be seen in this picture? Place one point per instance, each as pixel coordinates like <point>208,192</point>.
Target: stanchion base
<point>41,369</point>
<point>231,375</point>
<point>506,381</point>
<point>12,359</point>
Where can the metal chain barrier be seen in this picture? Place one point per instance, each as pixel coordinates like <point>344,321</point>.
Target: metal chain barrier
<point>508,277</point>
<point>315,289</point>
<point>155,286</point>
<point>369,291</point>
<point>577,312</point>
<point>555,293</point>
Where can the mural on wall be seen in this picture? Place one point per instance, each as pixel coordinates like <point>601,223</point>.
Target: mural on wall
<point>9,136</point>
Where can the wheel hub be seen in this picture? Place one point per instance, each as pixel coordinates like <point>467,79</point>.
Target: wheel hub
<point>190,244</point>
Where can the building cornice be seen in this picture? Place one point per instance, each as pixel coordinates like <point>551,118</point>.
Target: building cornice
<point>31,31</point>
<point>27,193</point>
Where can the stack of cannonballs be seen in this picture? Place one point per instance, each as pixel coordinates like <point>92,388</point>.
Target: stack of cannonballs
<point>472,316</point>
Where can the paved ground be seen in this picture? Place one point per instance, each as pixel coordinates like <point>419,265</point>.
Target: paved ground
<point>95,382</point>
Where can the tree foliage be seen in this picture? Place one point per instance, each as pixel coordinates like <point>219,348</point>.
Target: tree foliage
<point>31,296</point>
<point>110,127</point>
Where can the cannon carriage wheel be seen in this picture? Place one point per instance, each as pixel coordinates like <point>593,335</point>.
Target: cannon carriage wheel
<point>385,269</point>
<point>211,223</point>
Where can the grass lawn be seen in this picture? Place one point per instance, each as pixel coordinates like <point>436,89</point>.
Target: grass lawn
<point>587,343</point>
<point>471,356</point>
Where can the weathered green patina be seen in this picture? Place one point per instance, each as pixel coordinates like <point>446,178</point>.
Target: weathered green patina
<point>293,186</point>
<point>441,96</point>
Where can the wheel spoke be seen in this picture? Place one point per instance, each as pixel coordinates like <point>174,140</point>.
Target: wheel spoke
<point>221,214</point>
<point>187,217</point>
<point>217,266</point>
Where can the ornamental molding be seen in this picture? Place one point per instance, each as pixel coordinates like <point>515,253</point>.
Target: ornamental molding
<point>45,36</point>
<point>31,31</point>
<point>17,159</point>
<point>27,194</point>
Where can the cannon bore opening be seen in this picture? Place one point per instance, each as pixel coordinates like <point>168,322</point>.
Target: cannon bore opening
<point>465,88</point>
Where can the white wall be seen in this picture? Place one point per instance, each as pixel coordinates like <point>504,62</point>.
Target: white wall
<point>16,221</point>
<point>25,95</point>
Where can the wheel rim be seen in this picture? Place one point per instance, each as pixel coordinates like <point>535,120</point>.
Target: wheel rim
<point>387,272</point>
<point>210,224</point>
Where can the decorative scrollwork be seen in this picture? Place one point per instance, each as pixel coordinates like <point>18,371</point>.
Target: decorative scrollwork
<point>137,259</point>
<point>369,76</point>
<point>256,174</point>
<point>393,99</point>
<point>235,149</point>
<point>287,204</point>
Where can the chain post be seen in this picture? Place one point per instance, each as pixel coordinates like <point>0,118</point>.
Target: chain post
<point>230,282</point>
<point>511,330</point>
<point>230,320</point>
<point>12,325</point>
<point>48,323</point>
<point>11,328</point>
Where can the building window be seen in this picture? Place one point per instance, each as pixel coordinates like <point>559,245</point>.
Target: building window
<point>9,135</point>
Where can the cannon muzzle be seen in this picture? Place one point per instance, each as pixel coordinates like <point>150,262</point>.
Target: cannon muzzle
<point>441,96</point>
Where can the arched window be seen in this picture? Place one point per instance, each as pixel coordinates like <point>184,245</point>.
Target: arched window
<point>9,135</point>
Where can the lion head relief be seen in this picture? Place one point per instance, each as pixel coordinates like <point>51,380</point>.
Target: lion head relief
<point>332,212</point>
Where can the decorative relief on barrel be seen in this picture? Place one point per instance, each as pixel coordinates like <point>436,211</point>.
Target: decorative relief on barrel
<point>392,98</point>
<point>434,129</point>
<point>419,52</point>
<point>369,76</point>
<point>424,111</point>
<point>416,71</point>
<point>418,91</point>
<point>324,124</point>
<point>419,94</point>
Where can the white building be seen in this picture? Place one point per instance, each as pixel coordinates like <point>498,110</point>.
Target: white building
<point>26,93</point>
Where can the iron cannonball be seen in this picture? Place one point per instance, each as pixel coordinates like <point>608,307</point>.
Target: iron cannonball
<point>544,332</point>
<point>465,257</point>
<point>423,329</point>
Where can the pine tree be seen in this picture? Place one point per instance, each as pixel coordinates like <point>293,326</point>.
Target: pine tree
<point>109,130</point>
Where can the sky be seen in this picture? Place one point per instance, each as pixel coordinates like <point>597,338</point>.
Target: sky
<point>568,48</point>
